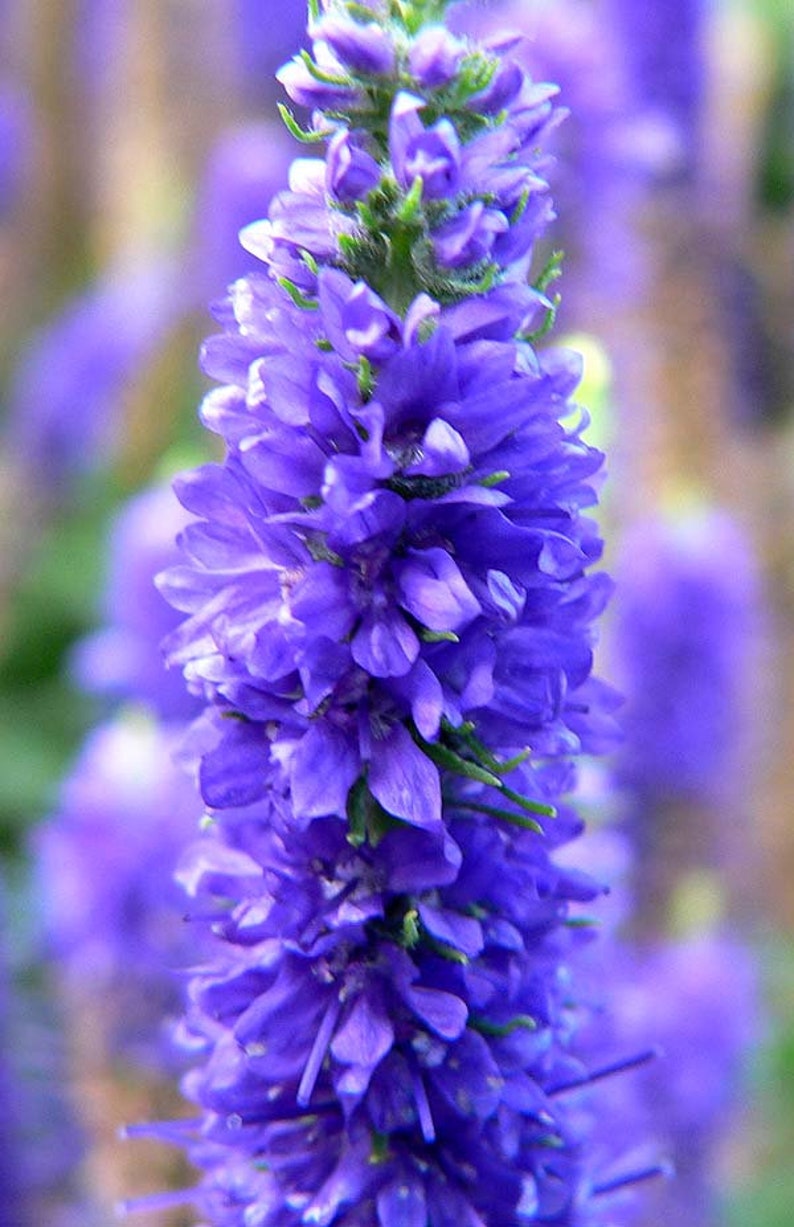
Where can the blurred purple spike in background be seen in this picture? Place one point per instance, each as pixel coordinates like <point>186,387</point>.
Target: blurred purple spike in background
<point>66,400</point>
<point>105,860</point>
<point>687,636</point>
<point>122,659</point>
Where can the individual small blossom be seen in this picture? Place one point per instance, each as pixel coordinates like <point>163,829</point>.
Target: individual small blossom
<point>469,237</point>
<point>503,88</point>
<point>351,172</point>
<point>308,91</point>
<point>435,56</point>
<point>364,47</point>
<point>432,154</point>
<point>358,322</point>
<point>298,221</point>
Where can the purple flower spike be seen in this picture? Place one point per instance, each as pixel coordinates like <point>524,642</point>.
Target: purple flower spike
<point>66,398</point>
<point>390,617</point>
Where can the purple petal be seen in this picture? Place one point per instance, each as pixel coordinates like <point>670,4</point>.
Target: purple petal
<point>211,493</point>
<point>469,236</point>
<point>404,126</point>
<point>461,932</point>
<point>307,91</point>
<point>434,56</point>
<point>417,860</point>
<point>237,771</point>
<point>404,780</point>
<point>384,644</point>
<point>353,1080</point>
<point>356,319</point>
<point>363,46</point>
<point>322,601</point>
<point>443,451</point>
<point>443,1012</point>
<point>321,665</point>
<point>351,172</point>
<point>324,768</point>
<point>208,865</point>
<point>423,313</point>
<point>287,462</point>
<point>421,689</point>
<point>559,557</point>
<point>470,1079</point>
<point>433,155</point>
<point>507,598</point>
<point>346,1185</point>
<point>366,1034</point>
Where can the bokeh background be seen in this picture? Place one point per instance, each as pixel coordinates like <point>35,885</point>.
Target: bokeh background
<point>136,138</point>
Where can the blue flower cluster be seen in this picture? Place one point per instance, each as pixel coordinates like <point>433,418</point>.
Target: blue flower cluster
<point>391,622</point>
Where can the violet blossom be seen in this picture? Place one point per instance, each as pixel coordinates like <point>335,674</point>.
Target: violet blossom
<point>390,618</point>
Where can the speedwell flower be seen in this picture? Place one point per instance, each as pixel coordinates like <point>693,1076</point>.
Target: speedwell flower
<point>390,617</point>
